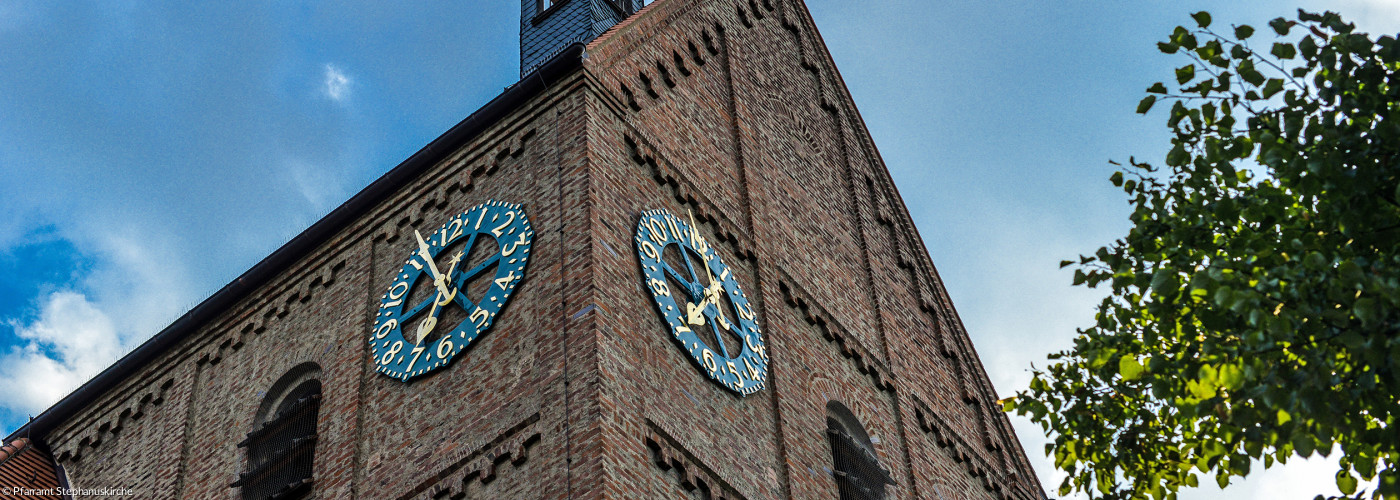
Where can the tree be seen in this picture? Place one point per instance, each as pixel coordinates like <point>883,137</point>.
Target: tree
<point>1254,306</point>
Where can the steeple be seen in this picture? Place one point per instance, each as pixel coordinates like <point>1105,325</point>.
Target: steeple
<point>547,26</point>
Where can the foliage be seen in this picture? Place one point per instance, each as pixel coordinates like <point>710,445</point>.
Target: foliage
<point>1254,312</point>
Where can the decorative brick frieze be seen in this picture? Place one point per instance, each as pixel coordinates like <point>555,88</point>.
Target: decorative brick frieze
<point>691,473</point>
<point>272,310</point>
<point>457,181</point>
<point>480,463</point>
<point>833,331</point>
<point>106,430</point>
<point>997,479</point>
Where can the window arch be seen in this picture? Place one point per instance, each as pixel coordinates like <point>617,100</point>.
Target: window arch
<point>281,448</point>
<point>859,475</point>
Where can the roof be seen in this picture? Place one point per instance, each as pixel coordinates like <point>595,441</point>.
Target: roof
<point>261,273</point>
<point>22,465</point>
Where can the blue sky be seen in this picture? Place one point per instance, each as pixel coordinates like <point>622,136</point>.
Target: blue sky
<point>151,151</point>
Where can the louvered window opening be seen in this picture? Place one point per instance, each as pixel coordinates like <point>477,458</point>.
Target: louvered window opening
<point>858,473</point>
<point>281,452</point>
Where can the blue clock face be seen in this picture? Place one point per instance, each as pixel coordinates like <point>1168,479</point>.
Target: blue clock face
<point>705,311</point>
<point>450,289</point>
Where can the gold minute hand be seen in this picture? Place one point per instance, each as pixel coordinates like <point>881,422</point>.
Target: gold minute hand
<point>438,279</point>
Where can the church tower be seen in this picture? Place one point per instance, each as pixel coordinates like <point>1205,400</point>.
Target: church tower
<point>548,26</point>
<point>669,262</point>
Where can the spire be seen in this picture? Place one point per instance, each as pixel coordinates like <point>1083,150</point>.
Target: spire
<point>547,26</point>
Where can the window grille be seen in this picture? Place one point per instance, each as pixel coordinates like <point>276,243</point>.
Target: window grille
<point>858,473</point>
<point>282,450</point>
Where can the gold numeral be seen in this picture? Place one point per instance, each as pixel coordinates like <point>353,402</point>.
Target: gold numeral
<point>659,287</point>
<point>385,328</point>
<point>417,351</point>
<point>445,347</point>
<point>393,351</point>
<point>501,228</point>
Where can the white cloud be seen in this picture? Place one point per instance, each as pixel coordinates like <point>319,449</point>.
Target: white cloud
<point>336,85</point>
<point>69,343</point>
<point>1379,17</point>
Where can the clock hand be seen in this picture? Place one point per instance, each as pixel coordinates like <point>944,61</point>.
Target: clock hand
<point>695,313</point>
<point>429,323</point>
<point>438,279</point>
<point>695,235</point>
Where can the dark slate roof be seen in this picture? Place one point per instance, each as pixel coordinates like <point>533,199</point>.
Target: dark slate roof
<point>531,85</point>
<point>23,465</point>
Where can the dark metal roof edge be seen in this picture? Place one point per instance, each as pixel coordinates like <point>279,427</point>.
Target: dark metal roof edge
<point>528,87</point>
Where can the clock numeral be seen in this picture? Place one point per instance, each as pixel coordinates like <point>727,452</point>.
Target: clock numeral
<point>385,328</point>
<point>417,351</point>
<point>393,351</point>
<point>511,249</point>
<point>659,287</point>
<point>746,311</point>
<point>735,370</point>
<point>444,348</point>
<point>479,318</point>
<point>396,293</point>
<point>505,280</point>
<point>500,229</point>
<point>757,349</point>
<point>657,231</point>
<point>455,228</point>
<point>650,251</point>
<point>753,372</point>
<point>675,231</point>
<point>479,218</point>
<point>709,359</point>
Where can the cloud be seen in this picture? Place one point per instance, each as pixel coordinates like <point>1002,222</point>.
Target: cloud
<point>336,85</point>
<point>66,345</point>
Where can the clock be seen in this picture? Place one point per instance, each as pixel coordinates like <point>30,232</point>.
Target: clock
<point>705,311</point>
<point>450,289</point>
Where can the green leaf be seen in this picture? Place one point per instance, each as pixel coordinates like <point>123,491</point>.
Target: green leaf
<point>1308,46</point>
<point>1129,368</point>
<point>1284,51</point>
<point>1167,47</point>
<point>1231,376</point>
<point>1274,86</point>
<point>1117,180</point>
<point>1346,482</point>
<point>1303,444</point>
<point>1202,19</point>
<point>1365,310</point>
<point>1281,26</point>
<point>1157,88</point>
<point>1185,73</point>
<point>1146,104</point>
<point>1178,156</point>
<point>1244,31</point>
<point>1164,282</point>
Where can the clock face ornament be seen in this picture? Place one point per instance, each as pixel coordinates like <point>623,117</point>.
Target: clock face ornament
<point>705,311</point>
<point>449,291</point>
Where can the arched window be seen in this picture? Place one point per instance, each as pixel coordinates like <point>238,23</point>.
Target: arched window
<point>281,447</point>
<point>857,470</point>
